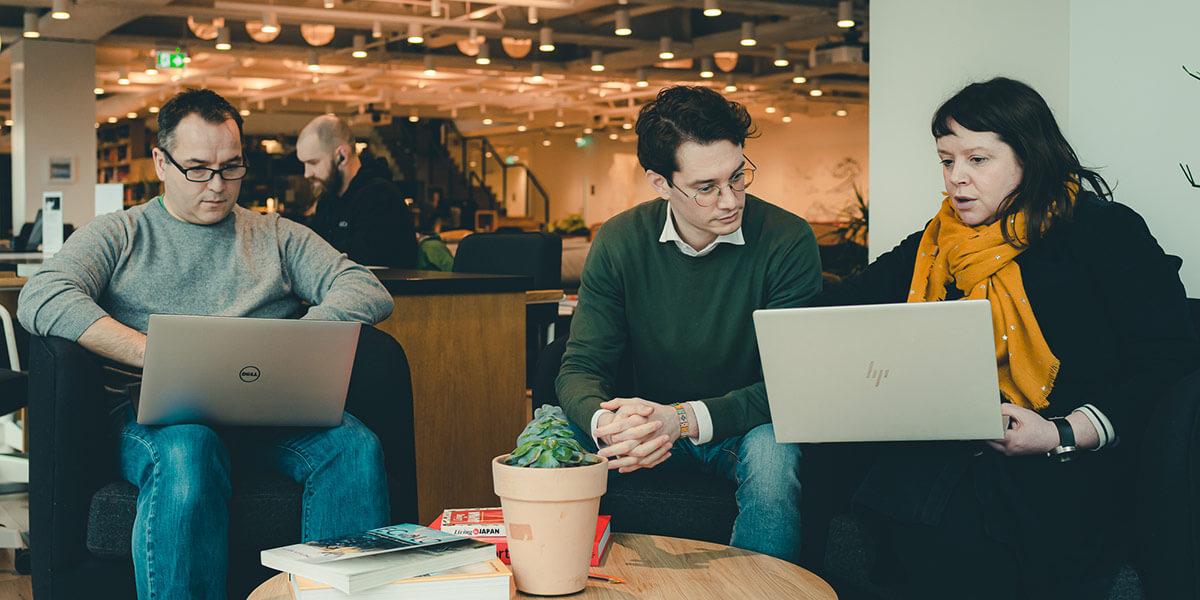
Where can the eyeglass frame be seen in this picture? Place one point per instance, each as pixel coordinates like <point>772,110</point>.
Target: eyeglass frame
<point>695,197</point>
<point>211,172</point>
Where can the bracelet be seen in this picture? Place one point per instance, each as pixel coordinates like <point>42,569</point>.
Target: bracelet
<point>684,427</point>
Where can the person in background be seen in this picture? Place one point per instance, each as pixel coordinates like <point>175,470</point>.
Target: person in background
<point>1091,327</point>
<point>359,210</point>
<point>194,251</point>
<point>673,282</point>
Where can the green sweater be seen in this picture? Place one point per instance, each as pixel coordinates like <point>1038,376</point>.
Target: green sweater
<point>685,321</point>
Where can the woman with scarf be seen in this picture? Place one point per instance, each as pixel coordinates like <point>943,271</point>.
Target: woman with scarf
<point>1091,327</point>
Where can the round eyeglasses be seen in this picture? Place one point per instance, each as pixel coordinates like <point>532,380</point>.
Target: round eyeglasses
<point>204,174</point>
<point>707,195</point>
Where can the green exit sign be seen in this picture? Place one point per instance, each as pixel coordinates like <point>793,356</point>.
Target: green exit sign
<point>171,60</point>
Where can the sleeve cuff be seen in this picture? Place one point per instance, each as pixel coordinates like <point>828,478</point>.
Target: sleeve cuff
<point>592,427</point>
<point>704,426</point>
<point>1103,426</point>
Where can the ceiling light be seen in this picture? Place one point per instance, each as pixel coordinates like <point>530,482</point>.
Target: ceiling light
<point>798,74</point>
<point>522,128</point>
<point>546,141</point>
<point>223,39</point>
<point>706,67</point>
<point>781,57</point>
<point>536,76</point>
<point>110,120</point>
<point>546,40</point>
<point>360,46</point>
<point>31,25</point>
<point>730,86</point>
<point>152,110</point>
<point>376,30</point>
<point>748,34</point>
<point>787,118</point>
<point>613,136</point>
<point>588,130</point>
<point>485,56</point>
<point>665,51</point>
<point>270,23</point>
<point>98,90</point>
<point>627,125</point>
<point>816,89</point>
<point>435,8</point>
<point>622,24</point>
<point>314,61</point>
<point>597,61</point>
<point>123,77</point>
<point>641,78</point>
<point>841,111</point>
<point>131,115</point>
<point>845,16</point>
<point>533,15</point>
<point>487,121</point>
<point>430,70</point>
<point>60,10</point>
<point>414,34</point>
<point>711,9</point>
<point>245,112</point>
<point>770,110</point>
<point>413,117</point>
<point>330,3</point>
<point>151,66</point>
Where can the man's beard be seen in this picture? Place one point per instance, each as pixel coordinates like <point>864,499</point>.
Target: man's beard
<point>328,189</point>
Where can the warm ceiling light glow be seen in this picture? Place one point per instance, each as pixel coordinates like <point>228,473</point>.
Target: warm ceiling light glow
<point>706,67</point>
<point>622,22</point>
<point>123,77</point>
<point>151,66</point>
<point>559,123</point>
<point>748,34</point>
<point>522,128</point>
<point>787,118</point>
<point>360,46</point>
<point>314,61</point>
<point>711,9</point>
<point>730,86</point>
<point>31,25</point>
<point>781,57</point>
<point>131,115</point>
<point>537,76</point>
<point>330,4</point>
<point>152,110</point>
<point>413,117</point>
<point>770,110</point>
<point>430,69</point>
<point>798,74</point>
<point>533,15</point>
<point>546,40</point>
<point>60,10</point>
<point>245,112</point>
<point>435,8</point>
<point>112,119</point>
<point>97,90</point>
<point>845,18</point>
<point>627,125</point>
<point>485,54</point>
<point>488,121</point>
<point>376,30</point>
<point>270,23</point>
<point>545,141</point>
<point>613,136</point>
<point>815,92</point>
<point>223,39</point>
<point>841,112</point>
<point>597,61</point>
<point>588,130</point>
<point>641,78</point>
<point>414,34</point>
<point>665,51</point>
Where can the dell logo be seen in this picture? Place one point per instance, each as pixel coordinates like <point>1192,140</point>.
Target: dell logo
<point>249,374</point>
<point>877,374</point>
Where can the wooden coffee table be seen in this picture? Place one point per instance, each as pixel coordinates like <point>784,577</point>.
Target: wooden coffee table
<point>665,568</point>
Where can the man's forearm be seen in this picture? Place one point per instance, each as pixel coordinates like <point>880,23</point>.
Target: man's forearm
<point>115,341</point>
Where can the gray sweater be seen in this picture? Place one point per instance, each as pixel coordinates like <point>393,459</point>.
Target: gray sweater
<point>142,261</point>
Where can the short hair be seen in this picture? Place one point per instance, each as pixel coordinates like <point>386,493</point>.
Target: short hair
<point>208,104</point>
<point>1016,113</point>
<point>331,130</point>
<point>682,114</point>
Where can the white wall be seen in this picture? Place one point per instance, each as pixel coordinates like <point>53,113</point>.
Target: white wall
<point>923,52</point>
<point>54,114</point>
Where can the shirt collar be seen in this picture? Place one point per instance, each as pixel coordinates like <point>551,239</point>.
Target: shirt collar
<point>670,234</point>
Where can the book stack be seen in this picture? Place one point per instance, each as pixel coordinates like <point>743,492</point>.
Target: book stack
<point>400,561</point>
<point>487,525</point>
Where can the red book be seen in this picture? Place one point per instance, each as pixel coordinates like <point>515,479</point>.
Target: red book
<point>487,525</point>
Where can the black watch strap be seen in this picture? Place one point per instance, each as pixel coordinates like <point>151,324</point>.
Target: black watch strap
<point>1066,441</point>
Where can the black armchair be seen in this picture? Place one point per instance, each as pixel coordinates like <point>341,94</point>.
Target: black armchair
<point>81,511</point>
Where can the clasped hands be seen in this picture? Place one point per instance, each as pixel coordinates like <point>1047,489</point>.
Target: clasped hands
<point>639,434</point>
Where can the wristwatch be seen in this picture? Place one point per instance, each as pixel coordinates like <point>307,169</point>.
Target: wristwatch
<point>1065,450</point>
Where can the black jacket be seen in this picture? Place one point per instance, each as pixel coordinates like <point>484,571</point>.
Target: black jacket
<point>370,222</point>
<point>1112,308</point>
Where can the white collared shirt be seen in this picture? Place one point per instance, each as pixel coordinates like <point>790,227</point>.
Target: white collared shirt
<point>670,234</point>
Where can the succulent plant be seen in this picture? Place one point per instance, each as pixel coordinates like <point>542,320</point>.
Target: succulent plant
<point>547,443</point>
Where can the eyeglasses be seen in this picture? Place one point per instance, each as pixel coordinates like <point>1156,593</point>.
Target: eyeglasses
<point>203,174</point>
<point>707,196</point>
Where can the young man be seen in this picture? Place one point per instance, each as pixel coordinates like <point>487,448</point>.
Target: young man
<point>359,210</point>
<point>673,282</point>
<point>194,251</point>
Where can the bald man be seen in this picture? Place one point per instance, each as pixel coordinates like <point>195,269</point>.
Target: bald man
<point>359,210</point>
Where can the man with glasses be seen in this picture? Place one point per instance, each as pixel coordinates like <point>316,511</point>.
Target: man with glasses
<point>672,283</point>
<point>194,251</point>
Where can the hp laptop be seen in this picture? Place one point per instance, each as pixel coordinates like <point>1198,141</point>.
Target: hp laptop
<point>240,371</point>
<point>894,372</point>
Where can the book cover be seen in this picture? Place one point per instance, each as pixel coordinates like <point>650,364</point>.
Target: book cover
<point>367,543</point>
<point>486,580</point>
<point>459,516</point>
<point>474,522</point>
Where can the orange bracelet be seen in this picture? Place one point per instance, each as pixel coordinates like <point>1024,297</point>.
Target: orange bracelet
<point>684,427</point>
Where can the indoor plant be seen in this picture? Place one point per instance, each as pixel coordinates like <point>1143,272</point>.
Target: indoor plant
<point>550,489</point>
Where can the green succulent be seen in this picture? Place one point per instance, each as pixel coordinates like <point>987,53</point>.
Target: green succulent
<point>547,443</point>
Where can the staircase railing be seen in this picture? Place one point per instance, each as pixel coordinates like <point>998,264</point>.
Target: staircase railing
<point>478,155</point>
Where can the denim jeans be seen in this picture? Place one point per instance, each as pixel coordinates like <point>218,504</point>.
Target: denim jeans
<point>767,475</point>
<point>180,533</point>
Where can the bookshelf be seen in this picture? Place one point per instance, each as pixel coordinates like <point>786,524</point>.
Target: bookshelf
<point>123,156</point>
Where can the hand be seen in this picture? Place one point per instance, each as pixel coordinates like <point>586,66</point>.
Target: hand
<point>1028,433</point>
<point>634,434</point>
<point>626,421</point>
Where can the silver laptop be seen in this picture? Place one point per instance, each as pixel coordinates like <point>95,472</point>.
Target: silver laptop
<point>892,372</point>
<point>240,371</point>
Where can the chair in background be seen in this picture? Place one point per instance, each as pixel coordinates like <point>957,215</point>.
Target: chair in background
<point>14,384</point>
<point>81,512</point>
<point>532,254</point>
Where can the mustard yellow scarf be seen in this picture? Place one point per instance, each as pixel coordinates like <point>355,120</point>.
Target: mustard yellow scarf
<point>980,263</point>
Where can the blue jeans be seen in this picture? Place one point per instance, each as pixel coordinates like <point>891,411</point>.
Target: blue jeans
<point>180,533</point>
<point>767,475</point>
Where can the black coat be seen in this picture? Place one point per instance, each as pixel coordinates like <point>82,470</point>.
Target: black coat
<point>370,222</point>
<point>1112,308</point>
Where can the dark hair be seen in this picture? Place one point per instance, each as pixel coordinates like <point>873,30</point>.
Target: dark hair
<point>1022,119</point>
<point>687,114</point>
<point>208,104</point>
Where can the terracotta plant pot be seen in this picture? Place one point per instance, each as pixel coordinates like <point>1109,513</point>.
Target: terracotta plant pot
<point>551,519</point>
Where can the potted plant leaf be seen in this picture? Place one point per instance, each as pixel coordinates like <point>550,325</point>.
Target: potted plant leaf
<point>550,489</point>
